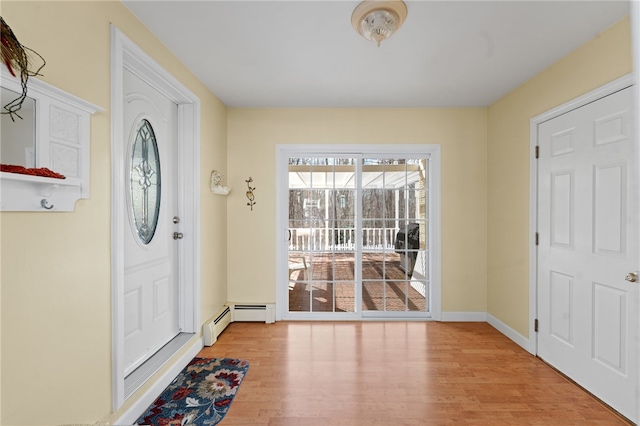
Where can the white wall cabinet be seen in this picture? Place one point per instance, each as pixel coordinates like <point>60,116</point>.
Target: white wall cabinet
<point>62,144</point>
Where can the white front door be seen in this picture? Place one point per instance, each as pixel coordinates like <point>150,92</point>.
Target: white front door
<point>150,250</point>
<point>588,243</point>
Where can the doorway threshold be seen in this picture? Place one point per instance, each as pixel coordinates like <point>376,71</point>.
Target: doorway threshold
<point>140,375</point>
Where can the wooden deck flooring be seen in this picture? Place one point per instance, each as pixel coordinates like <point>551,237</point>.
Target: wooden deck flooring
<point>327,285</point>
<point>394,374</point>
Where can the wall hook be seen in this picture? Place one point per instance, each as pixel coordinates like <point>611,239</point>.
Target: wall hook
<point>250,195</point>
<point>45,204</point>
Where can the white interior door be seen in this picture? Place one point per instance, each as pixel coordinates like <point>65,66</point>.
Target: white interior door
<point>150,246</point>
<point>588,243</point>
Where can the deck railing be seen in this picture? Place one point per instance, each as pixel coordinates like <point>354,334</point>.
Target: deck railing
<point>319,239</point>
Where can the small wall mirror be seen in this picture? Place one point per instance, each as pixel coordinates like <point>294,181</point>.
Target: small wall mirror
<point>18,136</point>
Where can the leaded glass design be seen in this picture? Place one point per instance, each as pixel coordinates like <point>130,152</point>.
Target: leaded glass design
<point>145,182</point>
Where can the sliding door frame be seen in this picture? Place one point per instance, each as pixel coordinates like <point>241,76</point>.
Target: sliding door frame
<point>284,152</point>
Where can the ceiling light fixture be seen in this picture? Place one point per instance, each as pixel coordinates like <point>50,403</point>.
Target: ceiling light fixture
<point>377,20</point>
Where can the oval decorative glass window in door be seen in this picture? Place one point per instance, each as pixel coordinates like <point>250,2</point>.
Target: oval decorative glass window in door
<point>145,181</point>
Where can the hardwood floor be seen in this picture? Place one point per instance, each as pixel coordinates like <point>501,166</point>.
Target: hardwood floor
<point>396,373</point>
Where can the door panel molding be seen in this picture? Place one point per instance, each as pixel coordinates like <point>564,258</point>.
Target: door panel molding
<point>126,54</point>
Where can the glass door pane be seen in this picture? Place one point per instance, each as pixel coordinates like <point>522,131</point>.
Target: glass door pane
<point>322,247</point>
<point>395,273</point>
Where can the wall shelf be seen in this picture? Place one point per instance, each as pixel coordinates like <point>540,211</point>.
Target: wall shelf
<point>36,180</point>
<point>25,193</point>
<point>220,190</point>
<point>216,184</point>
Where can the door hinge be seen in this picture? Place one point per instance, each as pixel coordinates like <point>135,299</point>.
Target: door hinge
<point>537,151</point>
<point>535,325</point>
<point>537,238</point>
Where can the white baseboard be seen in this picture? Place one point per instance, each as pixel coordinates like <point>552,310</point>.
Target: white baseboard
<point>463,317</point>
<point>510,333</point>
<point>138,407</point>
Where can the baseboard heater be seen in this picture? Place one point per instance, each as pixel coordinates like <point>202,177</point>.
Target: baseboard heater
<point>260,313</point>
<point>232,312</point>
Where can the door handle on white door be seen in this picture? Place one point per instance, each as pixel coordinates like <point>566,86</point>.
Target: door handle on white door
<point>178,235</point>
<point>632,277</point>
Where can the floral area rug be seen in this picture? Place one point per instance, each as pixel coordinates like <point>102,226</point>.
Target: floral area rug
<point>200,395</point>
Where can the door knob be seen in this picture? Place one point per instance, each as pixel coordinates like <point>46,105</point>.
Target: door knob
<point>177,235</point>
<point>632,277</point>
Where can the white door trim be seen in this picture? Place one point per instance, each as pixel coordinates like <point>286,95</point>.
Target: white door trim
<point>535,122</point>
<point>126,54</point>
<point>282,200</point>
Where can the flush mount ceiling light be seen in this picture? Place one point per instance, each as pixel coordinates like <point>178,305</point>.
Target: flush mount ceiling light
<point>377,20</point>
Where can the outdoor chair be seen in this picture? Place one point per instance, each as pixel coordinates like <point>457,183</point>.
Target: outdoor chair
<point>299,264</point>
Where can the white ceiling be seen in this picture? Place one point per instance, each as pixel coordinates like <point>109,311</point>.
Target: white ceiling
<point>302,53</point>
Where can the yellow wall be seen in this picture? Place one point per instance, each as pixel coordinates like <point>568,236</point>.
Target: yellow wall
<point>56,301</point>
<point>253,135</point>
<point>56,283</point>
<point>601,60</point>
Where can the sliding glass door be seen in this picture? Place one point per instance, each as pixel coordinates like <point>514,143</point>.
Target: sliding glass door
<point>322,249</point>
<point>394,236</point>
<point>358,235</point>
